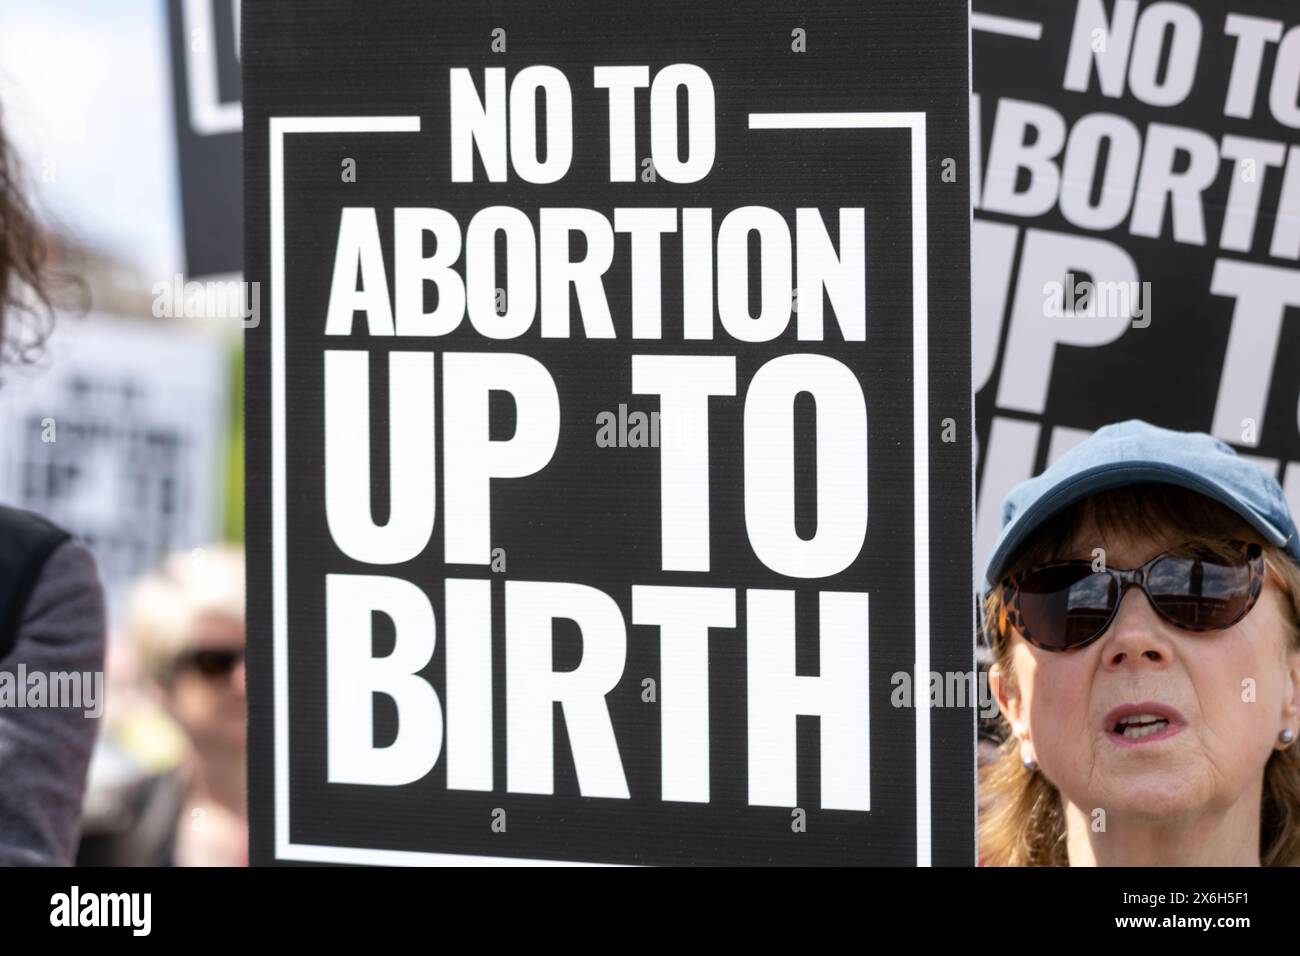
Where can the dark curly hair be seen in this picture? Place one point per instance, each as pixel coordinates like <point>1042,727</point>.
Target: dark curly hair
<point>27,298</point>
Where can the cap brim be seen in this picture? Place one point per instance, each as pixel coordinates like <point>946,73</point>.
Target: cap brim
<point>1115,475</point>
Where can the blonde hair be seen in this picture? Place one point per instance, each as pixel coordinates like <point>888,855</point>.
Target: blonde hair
<point>1021,819</point>
<point>165,607</point>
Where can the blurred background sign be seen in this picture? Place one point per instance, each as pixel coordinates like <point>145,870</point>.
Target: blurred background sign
<point>205,74</point>
<point>1137,229</point>
<point>144,454</point>
<point>119,435</point>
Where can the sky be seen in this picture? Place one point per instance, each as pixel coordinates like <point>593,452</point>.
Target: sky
<point>85,94</point>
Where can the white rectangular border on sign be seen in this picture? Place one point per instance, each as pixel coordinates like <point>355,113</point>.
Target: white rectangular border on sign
<point>279,127</point>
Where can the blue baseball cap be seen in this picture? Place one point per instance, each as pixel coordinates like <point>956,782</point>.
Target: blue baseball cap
<point>1135,451</point>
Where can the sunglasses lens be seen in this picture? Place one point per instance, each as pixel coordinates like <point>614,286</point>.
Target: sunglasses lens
<point>1201,593</point>
<point>216,663</point>
<point>1065,605</point>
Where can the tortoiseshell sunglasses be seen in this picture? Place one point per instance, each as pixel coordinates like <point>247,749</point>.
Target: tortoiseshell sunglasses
<point>1066,604</point>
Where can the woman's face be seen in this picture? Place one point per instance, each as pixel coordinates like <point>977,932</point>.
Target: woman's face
<point>1228,692</point>
<point>207,696</point>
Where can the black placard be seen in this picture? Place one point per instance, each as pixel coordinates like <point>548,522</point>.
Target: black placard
<point>1137,230</point>
<point>204,40</point>
<point>421,634</point>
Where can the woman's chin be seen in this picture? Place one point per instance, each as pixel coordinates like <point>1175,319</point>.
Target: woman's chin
<point>1151,793</point>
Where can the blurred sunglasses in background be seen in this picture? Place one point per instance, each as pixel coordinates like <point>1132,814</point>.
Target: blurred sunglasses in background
<point>1067,604</point>
<point>211,663</point>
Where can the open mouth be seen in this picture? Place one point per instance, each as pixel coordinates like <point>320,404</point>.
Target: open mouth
<point>1143,723</point>
<point>1139,726</point>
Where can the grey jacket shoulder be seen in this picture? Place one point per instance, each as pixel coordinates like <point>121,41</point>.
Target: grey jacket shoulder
<point>45,749</point>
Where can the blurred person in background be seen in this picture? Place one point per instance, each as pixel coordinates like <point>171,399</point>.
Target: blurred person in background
<point>52,619</point>
<point>185,637</point>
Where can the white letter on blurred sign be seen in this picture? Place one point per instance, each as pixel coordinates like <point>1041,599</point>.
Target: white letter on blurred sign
<point>1034,335</point>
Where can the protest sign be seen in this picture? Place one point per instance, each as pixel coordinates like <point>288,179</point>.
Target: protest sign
<point>1137,228</point>
<point>204,42</point>
<point>609,432</point>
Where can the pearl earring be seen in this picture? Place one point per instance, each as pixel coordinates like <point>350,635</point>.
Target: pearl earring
<point>1287,736</point>
<point>1030,764</point>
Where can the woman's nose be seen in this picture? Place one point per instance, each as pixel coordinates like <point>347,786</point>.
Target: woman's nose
<point>1136,635</point>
